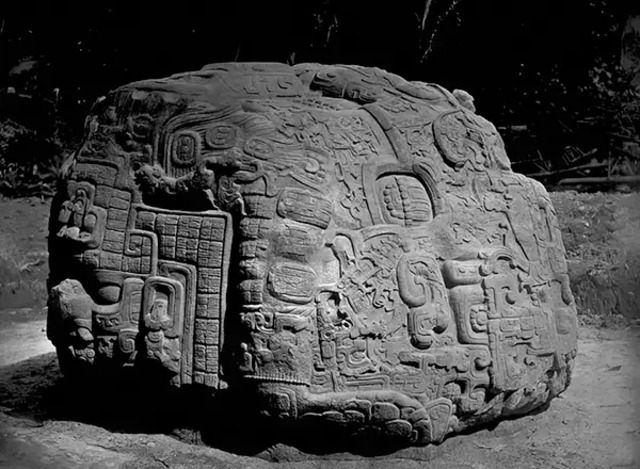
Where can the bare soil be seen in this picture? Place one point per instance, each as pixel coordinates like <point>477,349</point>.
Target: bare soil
<point>23,256</point>
<point>594,424</point>
<point>46,423</point>
<point>601,235</point>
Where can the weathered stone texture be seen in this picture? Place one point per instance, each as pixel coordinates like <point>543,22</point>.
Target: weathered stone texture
<point>348,246</point>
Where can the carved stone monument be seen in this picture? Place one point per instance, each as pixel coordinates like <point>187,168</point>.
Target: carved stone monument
<point>342,244</point>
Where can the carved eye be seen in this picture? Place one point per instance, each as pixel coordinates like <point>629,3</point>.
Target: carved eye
<point>258,147</point>
<point>142,126</point>
<point>312,166</point>
<point>185,148</point>
<point>222,136</point>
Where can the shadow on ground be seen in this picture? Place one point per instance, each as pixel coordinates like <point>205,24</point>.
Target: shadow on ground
<point>35,389</point>
<point>136,423</point>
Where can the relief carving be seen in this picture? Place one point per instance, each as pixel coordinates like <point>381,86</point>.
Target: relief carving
<point>345,246</point>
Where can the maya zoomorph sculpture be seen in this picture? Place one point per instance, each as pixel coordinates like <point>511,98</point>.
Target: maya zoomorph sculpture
<point>348,246</point>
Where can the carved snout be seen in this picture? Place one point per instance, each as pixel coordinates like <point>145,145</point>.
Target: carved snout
<point>69,323</point>
<point>72,306</point>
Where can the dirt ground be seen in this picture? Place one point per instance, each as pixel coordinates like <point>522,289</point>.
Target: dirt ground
<point>594,424</point>
<point>601,234</point>
<point>23,256</point>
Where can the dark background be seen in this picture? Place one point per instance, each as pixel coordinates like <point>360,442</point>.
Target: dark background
<point>547,73</point>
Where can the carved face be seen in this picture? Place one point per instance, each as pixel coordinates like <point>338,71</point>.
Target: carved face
<point>355,244</point>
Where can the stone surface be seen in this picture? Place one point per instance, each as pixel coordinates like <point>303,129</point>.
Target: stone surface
<point>343,247</point>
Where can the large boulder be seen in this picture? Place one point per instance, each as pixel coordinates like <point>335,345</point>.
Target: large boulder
<point>341,245</point>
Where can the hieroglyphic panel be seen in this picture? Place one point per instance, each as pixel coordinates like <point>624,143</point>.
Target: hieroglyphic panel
<point>203,241</point>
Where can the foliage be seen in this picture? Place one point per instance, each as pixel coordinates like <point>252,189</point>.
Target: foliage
<point>614,112</point>
<point>29,164</point>
<point>597,119</point>
<point>546,66</point>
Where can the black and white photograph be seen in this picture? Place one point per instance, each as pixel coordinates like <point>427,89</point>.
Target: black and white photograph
<point>320,233</point>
